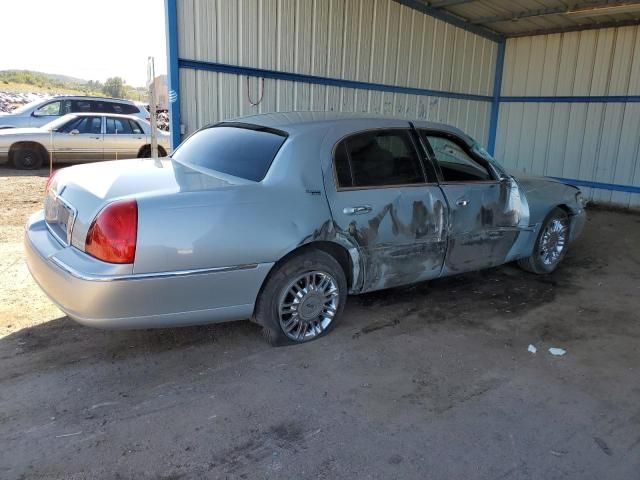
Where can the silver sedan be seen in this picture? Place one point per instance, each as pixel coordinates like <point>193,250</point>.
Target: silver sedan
<point>278,217</point>
<point>80,137</point>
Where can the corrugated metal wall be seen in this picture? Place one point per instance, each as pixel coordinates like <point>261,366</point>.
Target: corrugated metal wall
<point>588,141</point>
<point>377,41</point>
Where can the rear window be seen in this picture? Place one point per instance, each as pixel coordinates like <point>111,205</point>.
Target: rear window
<point>242,151</point>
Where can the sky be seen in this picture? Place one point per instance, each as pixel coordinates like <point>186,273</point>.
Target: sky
<point>89,39</point>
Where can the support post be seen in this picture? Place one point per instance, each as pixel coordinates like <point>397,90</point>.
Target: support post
<point>173,73</point>
<point>495,102</point>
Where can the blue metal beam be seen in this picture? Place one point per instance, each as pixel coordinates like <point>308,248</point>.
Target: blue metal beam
<point>455,20</point>
<point>173,72</point>
<point>495,102</point>
<point>575,99</point>
<point>599,185</point>
<point>577,28</point>
<point>317,80</point>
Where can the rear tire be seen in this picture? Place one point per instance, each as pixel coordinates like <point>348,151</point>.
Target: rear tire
<point>302,299</point>
<point>551,244</point>
<point>145,152</point>
<point>27,158</point>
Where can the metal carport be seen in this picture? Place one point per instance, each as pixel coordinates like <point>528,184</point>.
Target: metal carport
<point>551,87</point>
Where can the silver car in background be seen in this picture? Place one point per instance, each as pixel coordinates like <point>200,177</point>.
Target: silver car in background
<point>278,217</point>
<point>43,111</point>
<point>81,137</point>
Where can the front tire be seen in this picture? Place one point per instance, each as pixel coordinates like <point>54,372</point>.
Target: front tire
<point>26,158</point>
<point>302,299</point>
<point>551,244</point>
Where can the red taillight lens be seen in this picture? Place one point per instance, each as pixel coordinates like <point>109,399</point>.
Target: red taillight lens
<point>49,182</point>
<point>112,235</point>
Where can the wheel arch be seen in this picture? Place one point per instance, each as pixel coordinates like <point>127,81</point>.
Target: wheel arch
<point>142,149</point>
<point>28,143</point>
<point>161,151</point>
<point>350,266</point>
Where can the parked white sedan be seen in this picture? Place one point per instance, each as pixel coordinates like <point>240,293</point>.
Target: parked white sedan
<point>80,137</point>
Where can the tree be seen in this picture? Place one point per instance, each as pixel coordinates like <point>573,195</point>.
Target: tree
<point>114,87</point>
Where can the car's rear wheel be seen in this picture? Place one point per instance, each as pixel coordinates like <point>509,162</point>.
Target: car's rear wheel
<point>302,299</point>
<point>145,152</point>
<point>27,158</point>
<point>551,244</point>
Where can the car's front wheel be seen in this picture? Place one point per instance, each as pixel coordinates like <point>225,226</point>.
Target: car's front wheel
<point>302,299</point>
<point>551,244</point>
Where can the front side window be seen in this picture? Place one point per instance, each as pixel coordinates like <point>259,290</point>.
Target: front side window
<point>50,109</point>
<point>241,150</point>
<point>90,125</point>
<point>376,159</point>
<point>455,164</point>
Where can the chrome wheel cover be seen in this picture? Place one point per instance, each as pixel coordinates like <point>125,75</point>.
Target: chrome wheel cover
<point>308,305</point>
<point>553,241</point>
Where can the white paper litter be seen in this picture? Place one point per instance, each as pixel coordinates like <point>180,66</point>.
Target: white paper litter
<point>558,352</point>
<point>532,349</point>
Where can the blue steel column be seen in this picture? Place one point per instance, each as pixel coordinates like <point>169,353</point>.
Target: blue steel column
<point>173,74</point>
<point>495,102</point>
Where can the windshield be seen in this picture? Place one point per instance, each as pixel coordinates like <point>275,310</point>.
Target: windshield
<point>58,122</point>
<point>28,106</point>
<point>241,150</point>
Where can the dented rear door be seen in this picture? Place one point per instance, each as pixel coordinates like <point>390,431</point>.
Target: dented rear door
<point>382,200</point>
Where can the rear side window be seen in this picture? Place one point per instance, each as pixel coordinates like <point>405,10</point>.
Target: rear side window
<point>122,108</point>
<point>242,151</point>
<point>376,159</point>
<point>82,106</point>
<point>118,126</point>
<point>135,127</point>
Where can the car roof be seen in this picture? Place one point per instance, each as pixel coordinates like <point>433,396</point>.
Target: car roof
<point>102,114</point>
<point>89,97</point>
<point>292,121</point>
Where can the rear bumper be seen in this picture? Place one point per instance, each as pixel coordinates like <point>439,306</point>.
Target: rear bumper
<point>127,301</point>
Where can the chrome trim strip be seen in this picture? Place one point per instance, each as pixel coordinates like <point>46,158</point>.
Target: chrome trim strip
<point>57,197</point>
<point>143,276</point>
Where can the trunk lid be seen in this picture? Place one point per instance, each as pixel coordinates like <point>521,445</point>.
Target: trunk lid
<point>77,194</point>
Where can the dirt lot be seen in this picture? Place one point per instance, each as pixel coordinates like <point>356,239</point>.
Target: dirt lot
<point>431,382</point>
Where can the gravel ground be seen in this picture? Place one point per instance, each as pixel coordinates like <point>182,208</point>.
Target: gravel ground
<point>432,381</point>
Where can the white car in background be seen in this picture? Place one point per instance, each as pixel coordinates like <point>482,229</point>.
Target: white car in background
<point>80,137</point>
<point>43,111</point>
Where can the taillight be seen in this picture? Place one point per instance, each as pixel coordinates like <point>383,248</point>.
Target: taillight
<point>113,233</point>
<point>49,182</point>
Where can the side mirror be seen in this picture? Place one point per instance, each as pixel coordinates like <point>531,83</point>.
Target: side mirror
<point>75,131</point>
<point>37,113</point>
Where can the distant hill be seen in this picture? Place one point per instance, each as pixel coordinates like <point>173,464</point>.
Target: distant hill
<point>54,83</point>
<point>52,76</point>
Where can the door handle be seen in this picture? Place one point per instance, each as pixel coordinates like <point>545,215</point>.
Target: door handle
<point>359,210</point>
<point>95,138</point>
<point>462,202</point>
